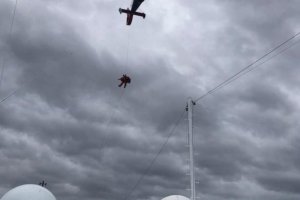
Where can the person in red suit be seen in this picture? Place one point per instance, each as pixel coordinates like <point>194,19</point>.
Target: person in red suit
<point>124,80</point>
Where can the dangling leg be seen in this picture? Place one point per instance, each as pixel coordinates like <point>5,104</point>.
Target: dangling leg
<point>121,84</point>
<point>125,85</point>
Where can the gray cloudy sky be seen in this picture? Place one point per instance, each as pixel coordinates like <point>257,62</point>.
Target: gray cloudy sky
<point>69,123</point>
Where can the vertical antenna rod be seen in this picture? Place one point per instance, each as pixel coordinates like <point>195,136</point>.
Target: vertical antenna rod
<point>191,146</point>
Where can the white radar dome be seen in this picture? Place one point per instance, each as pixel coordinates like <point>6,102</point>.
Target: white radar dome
<point>175,197</point>
<point>29,192</point>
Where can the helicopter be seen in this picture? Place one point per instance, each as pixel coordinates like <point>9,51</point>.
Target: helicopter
<point>133,11</point>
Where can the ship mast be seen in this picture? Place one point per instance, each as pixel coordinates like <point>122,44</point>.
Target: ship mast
<point>191,146</point>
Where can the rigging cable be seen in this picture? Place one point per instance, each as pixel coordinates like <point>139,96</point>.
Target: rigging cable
<point>156,156</point>
<point>3,58</point>
<point>11,94</point>
<point>242,71</point>
<point>255,67</point>
<point>13,19</point>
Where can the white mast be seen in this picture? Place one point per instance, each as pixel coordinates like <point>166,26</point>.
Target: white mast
<point>191,146</point>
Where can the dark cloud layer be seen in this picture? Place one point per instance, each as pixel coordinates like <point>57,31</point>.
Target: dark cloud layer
<point>69,123</point>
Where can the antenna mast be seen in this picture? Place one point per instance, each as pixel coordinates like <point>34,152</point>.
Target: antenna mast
<point>190,105</point>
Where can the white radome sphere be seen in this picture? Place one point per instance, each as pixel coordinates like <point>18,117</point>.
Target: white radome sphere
<point>175,197</point>
<point>29,192</point>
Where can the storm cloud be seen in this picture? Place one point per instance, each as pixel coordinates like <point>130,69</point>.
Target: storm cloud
<point>69,123</point>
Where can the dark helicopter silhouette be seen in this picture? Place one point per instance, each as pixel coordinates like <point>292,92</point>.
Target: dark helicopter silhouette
<point>130,12</point>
